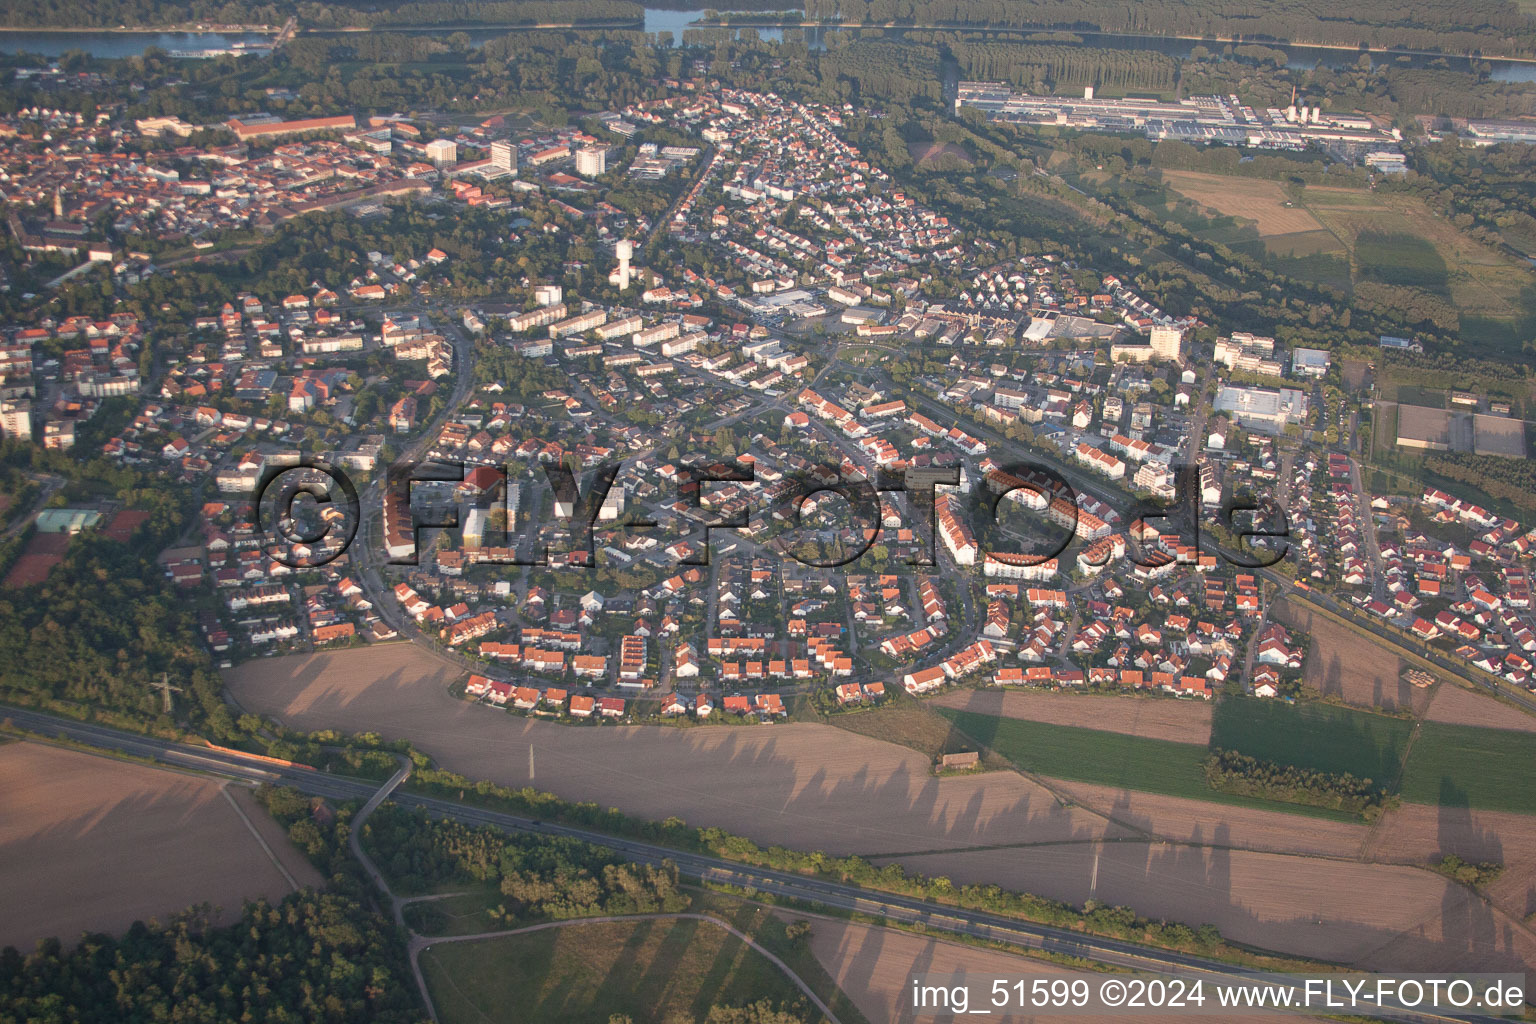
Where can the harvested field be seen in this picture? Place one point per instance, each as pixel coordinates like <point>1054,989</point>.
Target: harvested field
<point>1416,834</point>
<point>874,967</point>
<point>1345,665</point>
<point>1251,199</point>
<point>1458,705</point>
<point>1372,916</point>
<point>92,844</point>
<point>1199,821</point>
<point>1181,721</point>
<point>42,553</point>
<point>812,786</point>
<point>815,787</point>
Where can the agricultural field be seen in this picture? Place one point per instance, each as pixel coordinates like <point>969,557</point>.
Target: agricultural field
<point>819,787</point>
<point>1458,705</point>
<point>1180,721</point>
<point>1398,240</point>
<point>1344,236</point>
<point>653,971</point>
<point>1104,758</point>
<point>875,965</point>
<point>1322,737</point>
<point>1464,766</point>
<point>806,785</point>
<point>1344,666</point>
<point>1371,916</point>
<point>93,844</point>
<point>912,724</point>
<point>1262,203</point>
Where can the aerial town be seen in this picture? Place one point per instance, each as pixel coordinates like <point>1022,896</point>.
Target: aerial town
<point>740,423</point>
<point>1043,359</point>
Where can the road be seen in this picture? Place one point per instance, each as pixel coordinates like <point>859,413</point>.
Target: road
<point>49,486</point>
<point>932,917</point>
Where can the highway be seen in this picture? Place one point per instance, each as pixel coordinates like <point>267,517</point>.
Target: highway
<point>933,917</point>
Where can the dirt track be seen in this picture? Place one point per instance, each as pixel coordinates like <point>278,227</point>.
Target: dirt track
<point>814,787</point>
<point>92,844</point>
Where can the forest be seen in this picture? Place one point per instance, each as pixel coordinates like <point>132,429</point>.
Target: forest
<point>542,877</point>
<point>318,957</point>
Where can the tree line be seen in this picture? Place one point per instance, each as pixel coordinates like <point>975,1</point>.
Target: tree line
<point>1228,771</point>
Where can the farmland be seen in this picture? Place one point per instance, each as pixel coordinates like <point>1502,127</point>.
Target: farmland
<point>875,965</point>
<point>1345,236</point>
<point>1342,665</point>
<point>1369,915</point>
<point>1464,766</point>
<point>649,970</point>
<point>1457,705</point>
<point>1321,737</point>
<point>93,844</point>
<point>817,787</point>
<point>1262,203</point>
<point>1089,755</point>
<point>1181,721</point>
<point>912,724</point>
<point>1108,759</point>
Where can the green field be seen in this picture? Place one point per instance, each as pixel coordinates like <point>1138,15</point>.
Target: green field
<point>1109,759</point>
<point>1448,765</point>
<point>1464,766</point>
<point>654,972</point>
<point>1323,737</point>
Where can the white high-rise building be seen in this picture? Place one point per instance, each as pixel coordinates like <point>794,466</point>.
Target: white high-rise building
<point>1167,343</point>
<point>16,420</point>
<point>443,152</point>
<point>591,162</point>
<point>503,157</point>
